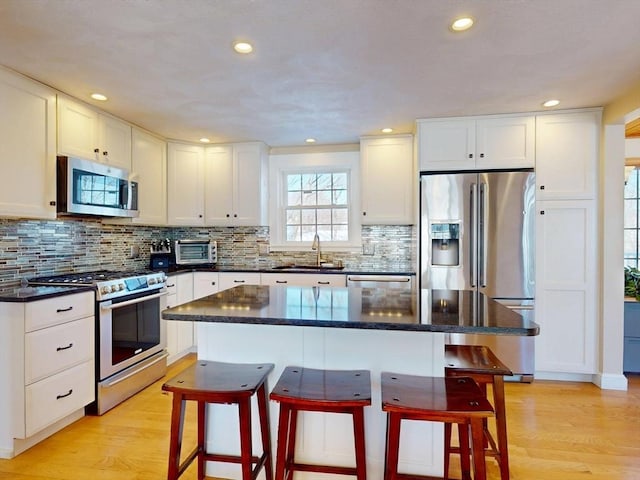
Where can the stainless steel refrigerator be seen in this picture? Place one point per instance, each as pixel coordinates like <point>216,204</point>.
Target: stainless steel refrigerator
<point>477,233</point>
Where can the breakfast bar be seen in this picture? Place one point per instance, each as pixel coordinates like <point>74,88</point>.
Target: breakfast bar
<point>340,328</point>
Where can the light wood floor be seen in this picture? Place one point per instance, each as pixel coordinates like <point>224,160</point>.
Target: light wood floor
<point>557,431</point>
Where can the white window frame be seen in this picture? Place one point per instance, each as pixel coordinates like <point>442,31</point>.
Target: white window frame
<point>280,165</point>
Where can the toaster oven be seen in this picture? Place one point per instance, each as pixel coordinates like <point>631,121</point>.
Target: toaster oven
<point>196,252</point>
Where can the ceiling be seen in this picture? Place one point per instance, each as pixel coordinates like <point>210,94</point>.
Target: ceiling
<point>330,69</point>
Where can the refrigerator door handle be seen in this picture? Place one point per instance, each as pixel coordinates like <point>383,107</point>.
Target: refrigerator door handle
<point>482,231</point>
<point>474,234</point>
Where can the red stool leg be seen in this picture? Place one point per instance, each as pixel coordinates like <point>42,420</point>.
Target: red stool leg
<point>244,412</point>
<point>447,449</point>
<point>358,434</point>
<point>283,440</point>
<point>263,410</point>
<point>175,442</point>
<point>202,430</point>
<point>501,425</point>
<point>463,440</point>
<point>477,442</point>
<point>393,446</point>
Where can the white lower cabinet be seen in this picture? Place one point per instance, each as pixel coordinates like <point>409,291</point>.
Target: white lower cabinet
<point>566,296</point>
<point>48,376</point>
<point>234,279</point>
<point>180,335</point>
<point>205,283</point>
<point>304,279</point>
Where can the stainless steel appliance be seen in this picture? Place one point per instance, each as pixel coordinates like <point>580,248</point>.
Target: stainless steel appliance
<point>196,252</point>
<point>403,282</point>
<point>130,335</point>
<point>91,188</point>
<point>477,233</point>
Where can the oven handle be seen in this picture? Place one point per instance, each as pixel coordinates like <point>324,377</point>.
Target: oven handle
<point>113,306</point>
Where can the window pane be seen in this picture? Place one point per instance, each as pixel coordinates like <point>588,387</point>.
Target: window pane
<point>630,243</point>
<point>294,182</point>
<point>324,232</point>
<point>308,217</point>
<point>324,181</point>
<point>308,232</point>
<point>340,233</point>
<point>293,217</point>
<point>339,180</point>
<point>340,216</point>
<point>293,233</point>
<point>294,199</point>
<point>339,197</point>
<point>324,197</point>
<point>309,197</point>
<point>324,216</point>
<point>631,187</point>
<point>630,213</point>
<point>309,181</point>
<point>631,262</point>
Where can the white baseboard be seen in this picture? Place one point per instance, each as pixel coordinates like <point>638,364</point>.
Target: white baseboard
<point>606,381</point>
<point>609,381</point>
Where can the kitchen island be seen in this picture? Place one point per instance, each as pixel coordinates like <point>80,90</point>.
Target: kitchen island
<point>340,328</point>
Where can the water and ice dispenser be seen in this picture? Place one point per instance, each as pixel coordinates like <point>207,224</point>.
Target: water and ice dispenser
<point>445,242</point>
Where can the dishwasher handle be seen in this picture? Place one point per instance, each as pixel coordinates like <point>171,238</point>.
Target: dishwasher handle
<point>379,278</point>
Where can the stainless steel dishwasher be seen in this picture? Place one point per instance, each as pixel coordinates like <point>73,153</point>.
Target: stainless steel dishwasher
<point>404,282</point>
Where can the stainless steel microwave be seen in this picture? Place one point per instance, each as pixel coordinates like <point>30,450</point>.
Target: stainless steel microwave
<point>196,252</point>
<point>91,188</point>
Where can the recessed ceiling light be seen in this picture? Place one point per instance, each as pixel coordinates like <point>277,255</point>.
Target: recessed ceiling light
<point>204,140</point>
<point>310,140</point>
<point>387,130</point>
<point>243,47</point>
<point>551,103</point>
<point>98,96</point>
<point>461,24</point>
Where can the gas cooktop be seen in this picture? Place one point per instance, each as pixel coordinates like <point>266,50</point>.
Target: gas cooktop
<point>109,284</point>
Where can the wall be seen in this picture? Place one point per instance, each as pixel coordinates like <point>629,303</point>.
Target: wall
<point>30,248</point>
<point>611,240</point>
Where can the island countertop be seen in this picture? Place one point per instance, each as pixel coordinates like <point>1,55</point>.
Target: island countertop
<point>448,311</point>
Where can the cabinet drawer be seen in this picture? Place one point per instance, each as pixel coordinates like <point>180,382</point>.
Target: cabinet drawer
<point>304,279</point>
<point>51,350</point>
<point>53,311</point>
<point>55,397</point>
<point>631,357</point>
<point>172,285</point>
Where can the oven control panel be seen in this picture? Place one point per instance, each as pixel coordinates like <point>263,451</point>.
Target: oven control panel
<point>108,289</point>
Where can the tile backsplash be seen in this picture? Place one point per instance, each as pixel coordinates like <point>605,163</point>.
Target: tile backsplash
<point>30,248</point>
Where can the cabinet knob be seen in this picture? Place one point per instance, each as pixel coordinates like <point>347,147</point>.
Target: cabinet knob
<point>228,215</point>
<point>235,215</point>
<point>482,155</point>
<point>541,212</point>
<point>96,150</point>
<point>541,187</point>
<point>364,214</point>
<point>200,216</point>
<point>52,203</point>
<point>471,155</point>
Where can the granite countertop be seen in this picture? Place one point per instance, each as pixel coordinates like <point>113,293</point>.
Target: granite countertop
<point>350,307</point>
<point>32,294</point>
<point>279,269</point>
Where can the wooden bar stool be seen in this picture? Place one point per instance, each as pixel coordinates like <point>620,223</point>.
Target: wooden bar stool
<point>433,399</point>
<point>334,391</point>
<point>481,364</point>
<point>222,383</point>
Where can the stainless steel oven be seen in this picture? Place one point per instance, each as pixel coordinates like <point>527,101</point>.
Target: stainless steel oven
<point>131,336</point>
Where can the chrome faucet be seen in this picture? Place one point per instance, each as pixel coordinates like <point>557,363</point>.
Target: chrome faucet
<point>316,246</point>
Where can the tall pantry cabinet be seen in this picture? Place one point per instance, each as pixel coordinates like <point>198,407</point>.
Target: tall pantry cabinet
<point>566,241</point>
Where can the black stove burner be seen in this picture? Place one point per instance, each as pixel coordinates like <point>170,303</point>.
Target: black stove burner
<point>83,278</point>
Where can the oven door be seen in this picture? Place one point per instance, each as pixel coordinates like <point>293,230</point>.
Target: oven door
<point>131,330</point>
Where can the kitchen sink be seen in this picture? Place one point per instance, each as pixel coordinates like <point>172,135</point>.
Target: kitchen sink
<point>324,266</point>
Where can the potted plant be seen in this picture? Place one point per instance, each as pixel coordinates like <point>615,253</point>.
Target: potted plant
<point>632,282</point>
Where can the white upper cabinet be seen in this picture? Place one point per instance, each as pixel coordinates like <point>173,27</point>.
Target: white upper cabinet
<point>476,143</point>
<point>185,184</point>
<point>235,190</point>
<point>27,148</point>
<point>567,155</point>
<point>85,133</point>
<point>388,177</point>
<point>149,169</point>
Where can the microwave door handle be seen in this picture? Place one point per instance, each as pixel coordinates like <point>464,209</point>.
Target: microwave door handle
<point>474,234</point>
<point>113,306</point>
